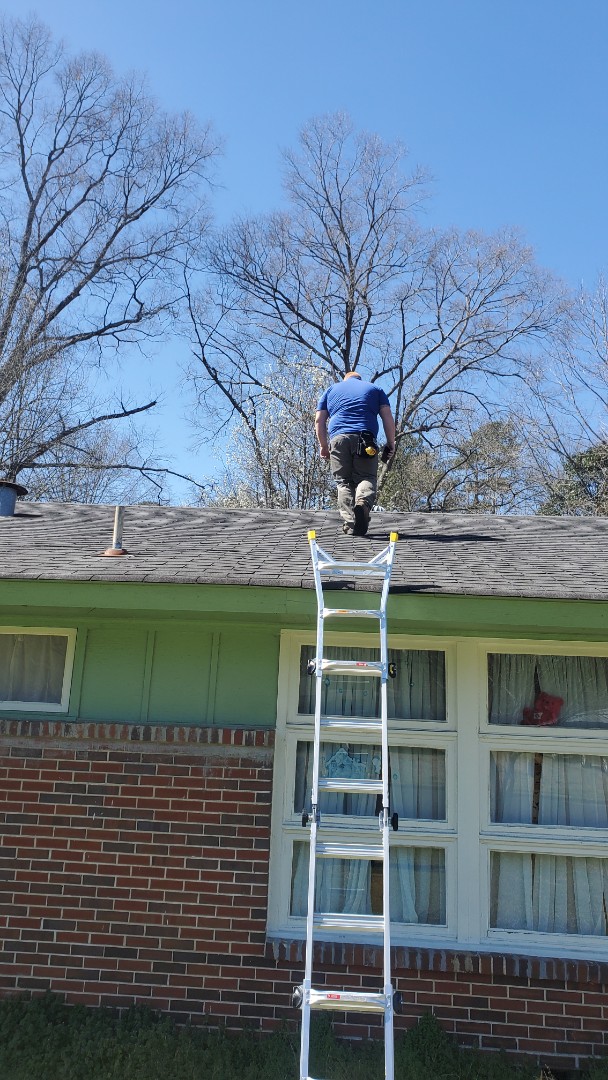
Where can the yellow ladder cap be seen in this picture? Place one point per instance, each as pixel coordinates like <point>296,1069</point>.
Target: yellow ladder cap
<point>394,537</point>
<point>312,534</point>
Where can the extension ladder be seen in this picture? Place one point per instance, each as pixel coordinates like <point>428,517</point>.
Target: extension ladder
<point>375,848</point>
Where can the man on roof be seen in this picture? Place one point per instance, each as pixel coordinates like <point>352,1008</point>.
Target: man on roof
<point>346,424</point>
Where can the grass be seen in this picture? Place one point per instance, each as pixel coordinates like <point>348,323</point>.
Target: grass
<point>44,1039</point>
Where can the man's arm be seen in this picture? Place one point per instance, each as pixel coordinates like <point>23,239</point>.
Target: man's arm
<point>388,424</point>
<point>321,419</point>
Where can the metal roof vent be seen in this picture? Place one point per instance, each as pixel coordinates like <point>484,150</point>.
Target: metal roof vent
<point>117,548</point>
<point>8,497</point>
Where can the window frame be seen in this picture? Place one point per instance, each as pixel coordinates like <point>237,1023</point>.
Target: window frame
<point>61,706</point>
<point>468,836</point>
<point>544,647</point>
<point>523,837</point>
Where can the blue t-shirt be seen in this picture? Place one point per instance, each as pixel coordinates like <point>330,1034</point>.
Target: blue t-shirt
<point>352,405</point>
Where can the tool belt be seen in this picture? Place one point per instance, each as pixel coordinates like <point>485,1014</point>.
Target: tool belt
<point>367,445</point>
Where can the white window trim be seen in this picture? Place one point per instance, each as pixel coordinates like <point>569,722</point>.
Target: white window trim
<point>468,836</point>
<point>45,706</point>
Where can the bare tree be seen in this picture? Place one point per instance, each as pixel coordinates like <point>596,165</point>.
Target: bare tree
<point>487,470</point>
<point>59,455</point>
<point>100,208</point>
<point>348,277</point>
<point>580,487</point>
<point>565,410</point>
<point>272,457</point>
<point>583,372</point>
<point>105,467</point>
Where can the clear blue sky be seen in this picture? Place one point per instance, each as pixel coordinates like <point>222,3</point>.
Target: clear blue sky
<point>504,101</point>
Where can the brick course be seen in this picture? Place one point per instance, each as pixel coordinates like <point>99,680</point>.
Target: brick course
<point>134,868</point>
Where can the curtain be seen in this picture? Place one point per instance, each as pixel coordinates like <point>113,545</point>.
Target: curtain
<point>416,693</point>
<point>549,789</point>
<point>558,894</point>
<point>511,891</point>
<point>511,788</point>
<point>32,667</point>
<point>582,682</point>
<point>545,892</point>
<point>417,881</point>
<point>417,779</point>
<point>343,886</point>
<point>573,791</point>
<point>418,783</point>
<point>511,685</point>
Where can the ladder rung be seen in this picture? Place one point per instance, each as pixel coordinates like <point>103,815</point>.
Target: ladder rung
<point>333,850</point>
<point>352,613</point>
<point>352,787</point>
<point>343,728</point>
<point>353,569</point>
<point>353,667</point>
<point>337,566</point>
<point>351,923</point>
<point>350,1000</point>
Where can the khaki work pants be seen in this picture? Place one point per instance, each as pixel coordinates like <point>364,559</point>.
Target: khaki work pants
<point>355,476</point>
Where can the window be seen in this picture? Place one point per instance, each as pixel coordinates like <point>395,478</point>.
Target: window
<point>572,689</point>
<point>499,774</point>
<point>422,765</point>
<point>35,669</point>
<point>548,791</point>
<point>416,693</point>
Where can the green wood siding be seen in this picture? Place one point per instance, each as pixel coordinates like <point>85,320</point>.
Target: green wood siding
<point>172,675</point>
<point>248,666</point>
<point>180,677</point>
<point>209,654</point>
<point>113,675</point>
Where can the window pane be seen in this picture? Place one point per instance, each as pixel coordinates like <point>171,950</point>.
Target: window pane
<point>549,789</point>
<point>416,693</point>
<point>354,886</point>
<point>553,894</point>
<point>417,779</point>
<point>32,667</point>
<point>574,689</point>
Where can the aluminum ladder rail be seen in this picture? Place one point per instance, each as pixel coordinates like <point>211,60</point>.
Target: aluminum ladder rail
<point>306,996</point>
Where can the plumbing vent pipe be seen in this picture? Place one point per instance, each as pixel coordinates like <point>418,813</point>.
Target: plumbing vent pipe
<point>8,497</point>
<point>117,548</point>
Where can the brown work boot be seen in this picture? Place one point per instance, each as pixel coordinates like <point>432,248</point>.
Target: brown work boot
<point>361,518</point>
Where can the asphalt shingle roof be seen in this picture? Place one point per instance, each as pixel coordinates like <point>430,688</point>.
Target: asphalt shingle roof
<point>437,553</point>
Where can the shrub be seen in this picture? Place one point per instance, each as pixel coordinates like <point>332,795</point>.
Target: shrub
<point>44,1039</point>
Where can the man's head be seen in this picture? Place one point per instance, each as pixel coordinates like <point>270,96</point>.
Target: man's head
<point>352,375</point>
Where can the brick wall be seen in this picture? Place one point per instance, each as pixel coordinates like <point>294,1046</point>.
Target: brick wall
<point>134,868</point>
